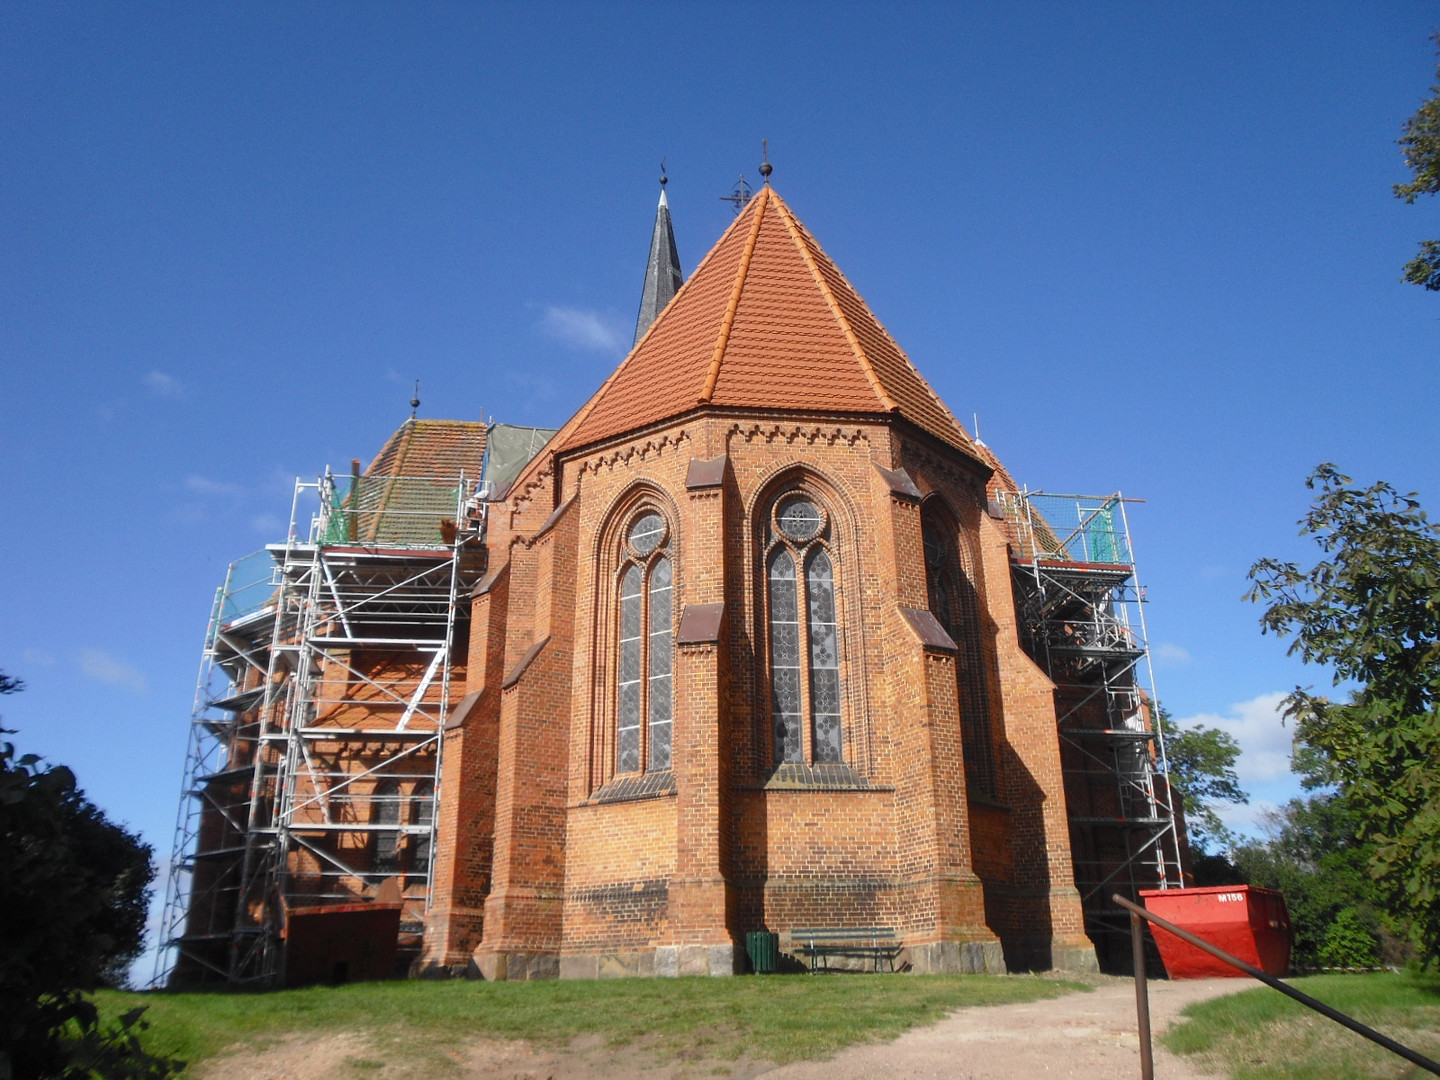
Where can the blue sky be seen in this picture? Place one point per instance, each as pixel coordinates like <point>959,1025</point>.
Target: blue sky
<point>1153,247</point>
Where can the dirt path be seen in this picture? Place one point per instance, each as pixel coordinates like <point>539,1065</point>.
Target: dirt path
<point>1079,1036</point>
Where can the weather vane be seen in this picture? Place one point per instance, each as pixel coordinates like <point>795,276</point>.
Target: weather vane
<point>415,400</point>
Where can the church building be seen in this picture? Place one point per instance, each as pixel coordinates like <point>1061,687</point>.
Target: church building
<point>760,639</point>
<point>746,657</point>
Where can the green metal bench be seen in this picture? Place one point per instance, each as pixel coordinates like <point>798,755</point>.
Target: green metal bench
<point>876,943</point>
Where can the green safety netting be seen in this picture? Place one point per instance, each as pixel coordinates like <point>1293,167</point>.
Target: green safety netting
<point>1076,528</point>
<point>395,510</point>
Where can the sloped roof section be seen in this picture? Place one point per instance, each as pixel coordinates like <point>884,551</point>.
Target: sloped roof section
<point>433,450</point>
<point>766,321</point>
<point>412,488</point>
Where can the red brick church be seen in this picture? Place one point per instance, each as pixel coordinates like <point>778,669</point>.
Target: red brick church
<point>761,639</point>
<point>746,657</point>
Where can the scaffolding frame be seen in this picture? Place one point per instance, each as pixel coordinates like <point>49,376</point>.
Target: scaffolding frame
<point>314,760</point>
<point>1081,614</point>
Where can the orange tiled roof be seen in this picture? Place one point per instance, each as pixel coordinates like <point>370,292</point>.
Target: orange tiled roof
<point>767,320</point>
<point>432,450</point>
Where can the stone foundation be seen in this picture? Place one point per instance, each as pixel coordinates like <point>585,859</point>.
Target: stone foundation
<point>956,958</point>
<point>665,961</point>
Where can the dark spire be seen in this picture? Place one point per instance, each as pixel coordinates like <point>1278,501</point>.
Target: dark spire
<point>662,274</point>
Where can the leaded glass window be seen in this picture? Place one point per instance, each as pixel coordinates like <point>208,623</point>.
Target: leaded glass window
<point>661,663</point>
<point>799,519</point>
<point>627,746</point>
<point>645,705</point>
<point>785,701</point>
<point>824,658</point>
<point>805,637</point>
<point>646,533</point>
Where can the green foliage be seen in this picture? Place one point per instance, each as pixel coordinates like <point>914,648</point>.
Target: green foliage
<point>1420,143</point>
<point>1202,772</point>
<point>1262,1035</point>
<point>1370,610</point>
<point>73,893</point>
<point>1348,942</point>
<point>1314,857</point>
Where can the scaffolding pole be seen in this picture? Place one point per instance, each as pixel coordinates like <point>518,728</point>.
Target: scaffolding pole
<point>314,766</point>
<point>1081,613</point>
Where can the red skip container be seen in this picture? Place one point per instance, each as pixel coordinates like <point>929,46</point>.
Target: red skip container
<point>1248,922</point>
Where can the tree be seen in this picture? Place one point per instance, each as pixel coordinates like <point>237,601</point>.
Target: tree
<point>1370,610</point>
<point>1420,143</point>
<point>1312,854</point>
<point>1202,772</point>
<point>74,888</point>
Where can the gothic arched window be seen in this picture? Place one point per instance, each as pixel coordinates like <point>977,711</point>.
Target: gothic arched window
<point>385,812</point>
<point>956,607</point>
<point>804,634</point>
<point>644,703</point>
<point>422,813</point>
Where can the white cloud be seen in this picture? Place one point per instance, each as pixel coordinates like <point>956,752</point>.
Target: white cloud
<point>1248,819</point>
<point>162,385</point>
<point>38,658</point>
<point>269,524</point>
<point>1265,741</point>
<point>1167,653</point>
<point>102,667</point>
<point>582,329</point>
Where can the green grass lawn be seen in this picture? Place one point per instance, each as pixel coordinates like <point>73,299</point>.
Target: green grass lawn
<point>776,1018</point>
<point>1263,1034</point>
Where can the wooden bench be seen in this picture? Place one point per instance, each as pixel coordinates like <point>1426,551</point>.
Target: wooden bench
<point>876,943</point>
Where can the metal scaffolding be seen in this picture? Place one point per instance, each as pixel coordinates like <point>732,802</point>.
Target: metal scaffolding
<point>1082,618</point>
<point>313,767</point>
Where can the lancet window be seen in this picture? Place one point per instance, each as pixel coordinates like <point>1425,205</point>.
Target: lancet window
<point>956,607</point>
<point>422,813</point>
<point>385,812</point>
<point>644,706</point>
<point>804,633</point>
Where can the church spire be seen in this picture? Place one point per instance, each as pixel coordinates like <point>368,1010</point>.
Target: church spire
<point>662,274</point>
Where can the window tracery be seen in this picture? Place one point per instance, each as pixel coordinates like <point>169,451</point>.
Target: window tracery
<point>645,648</point>
<point>805,682</point>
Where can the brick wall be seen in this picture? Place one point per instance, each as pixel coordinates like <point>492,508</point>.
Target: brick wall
<point>581,862</point>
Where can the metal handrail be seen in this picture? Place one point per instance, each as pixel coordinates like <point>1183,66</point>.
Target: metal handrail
<point>1142,997</point>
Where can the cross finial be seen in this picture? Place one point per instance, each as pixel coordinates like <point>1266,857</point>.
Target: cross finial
<point>740,196</point>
